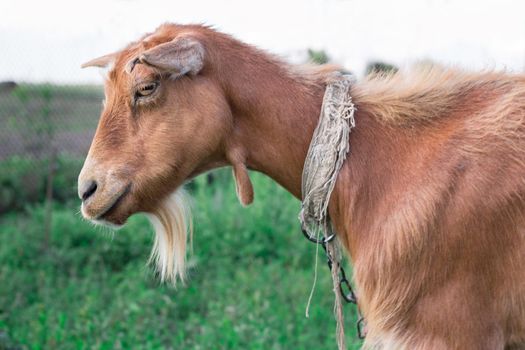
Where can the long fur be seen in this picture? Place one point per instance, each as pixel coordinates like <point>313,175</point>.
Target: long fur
<point>425,93</point>
<point>172,224</point>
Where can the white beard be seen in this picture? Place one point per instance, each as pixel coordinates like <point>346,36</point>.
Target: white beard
<point>172,222</point>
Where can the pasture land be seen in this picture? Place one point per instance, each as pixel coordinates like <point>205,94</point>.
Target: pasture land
<point>251,273</point>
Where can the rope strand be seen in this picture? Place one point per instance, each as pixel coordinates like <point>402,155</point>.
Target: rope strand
<point>326,154</point>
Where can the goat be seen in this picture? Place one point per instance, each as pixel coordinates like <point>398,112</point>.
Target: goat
<point>429,204</point>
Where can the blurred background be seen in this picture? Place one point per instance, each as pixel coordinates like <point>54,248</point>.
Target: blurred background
<point>65,284</point>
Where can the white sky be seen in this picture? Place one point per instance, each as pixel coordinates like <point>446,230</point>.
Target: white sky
<point>48,40</point>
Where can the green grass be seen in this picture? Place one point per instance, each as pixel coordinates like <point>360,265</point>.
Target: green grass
<point>249,282</point>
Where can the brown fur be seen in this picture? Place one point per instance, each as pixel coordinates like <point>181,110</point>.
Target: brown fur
<point>429,204</point>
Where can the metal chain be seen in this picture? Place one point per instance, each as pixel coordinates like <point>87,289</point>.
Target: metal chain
<point>345,288</point>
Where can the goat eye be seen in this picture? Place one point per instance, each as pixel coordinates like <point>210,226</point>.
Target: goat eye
<point>146,89</point>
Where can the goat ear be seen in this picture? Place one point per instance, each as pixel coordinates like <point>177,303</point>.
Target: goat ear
<point>243,184</point>
<point>102,61</point>
<point>182,55</point>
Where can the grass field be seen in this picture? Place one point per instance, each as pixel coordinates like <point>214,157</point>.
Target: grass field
<point>251,273</point>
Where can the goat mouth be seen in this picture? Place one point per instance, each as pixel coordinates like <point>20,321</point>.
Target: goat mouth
<point>111,208</point>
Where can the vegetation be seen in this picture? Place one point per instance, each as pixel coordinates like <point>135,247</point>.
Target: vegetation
<point>89,289</point>
<point>23,181</point>
<point>318,56</point>
<point>380,67</point>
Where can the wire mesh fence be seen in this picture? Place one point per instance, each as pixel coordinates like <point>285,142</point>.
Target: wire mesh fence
<point>39,120</point>
<point>45,132</point>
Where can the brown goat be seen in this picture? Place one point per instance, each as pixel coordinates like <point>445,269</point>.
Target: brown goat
<point>430,202</point>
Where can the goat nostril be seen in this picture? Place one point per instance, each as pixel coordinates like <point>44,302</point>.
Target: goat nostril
<point>90,190</point>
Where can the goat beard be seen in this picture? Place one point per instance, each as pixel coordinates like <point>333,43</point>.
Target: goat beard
<point>172,224</point>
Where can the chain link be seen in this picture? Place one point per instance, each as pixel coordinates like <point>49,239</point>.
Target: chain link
<point>347,292</point>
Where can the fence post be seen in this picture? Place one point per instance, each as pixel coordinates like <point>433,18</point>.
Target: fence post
<point>49,199</point>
